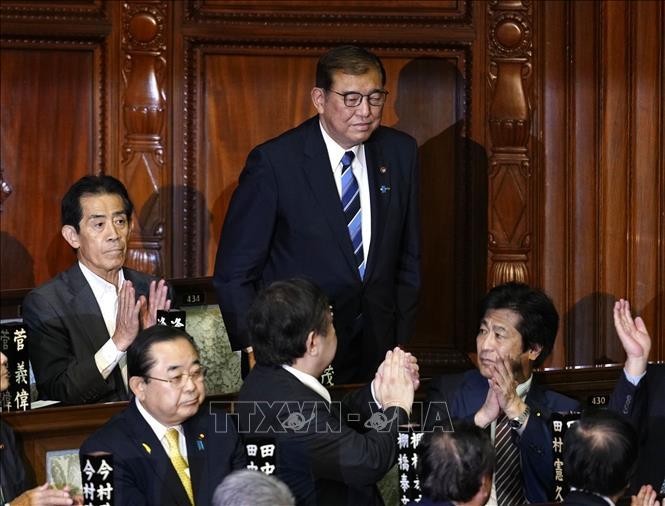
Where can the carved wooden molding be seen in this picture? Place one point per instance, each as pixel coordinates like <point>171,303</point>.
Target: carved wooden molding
<point>332,12</point>
<point>144,114</point>
<point>510,220</point>
<point>41,11</point>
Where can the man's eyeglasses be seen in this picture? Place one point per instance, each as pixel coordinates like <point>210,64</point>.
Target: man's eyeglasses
<point>180,380</point>
<point>354,99</point>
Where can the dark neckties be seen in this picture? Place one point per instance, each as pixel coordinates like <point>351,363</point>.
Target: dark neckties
<point>508,472</point>
<point>352,211</point>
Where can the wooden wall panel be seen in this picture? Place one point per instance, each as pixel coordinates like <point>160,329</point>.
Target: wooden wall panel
<point>50,137</point>
<point>600,122</point>
<point>554,194</point>
<point>646,281</point>
<point>240,111</point>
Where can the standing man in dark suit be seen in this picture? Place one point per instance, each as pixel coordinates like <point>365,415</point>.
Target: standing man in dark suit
<point>640,395</point>
<point>321,457</point>
<point>335,201</point>
<point>517,330</point>
<point>168,447</point>
<point>81,322</point>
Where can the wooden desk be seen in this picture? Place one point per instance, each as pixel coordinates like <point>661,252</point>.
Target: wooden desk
<point>55,428</point>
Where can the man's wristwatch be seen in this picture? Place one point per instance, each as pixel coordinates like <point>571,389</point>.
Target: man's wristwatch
<point>517,422</point>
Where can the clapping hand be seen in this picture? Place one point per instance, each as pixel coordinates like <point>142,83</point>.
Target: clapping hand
<point>634,338</point>
<point>157,300</point>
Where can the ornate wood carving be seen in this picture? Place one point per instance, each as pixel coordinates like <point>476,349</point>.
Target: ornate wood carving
<point>510,178</point>
<point>83,10</point>
<point>144,113</point>
<point>330,12</point>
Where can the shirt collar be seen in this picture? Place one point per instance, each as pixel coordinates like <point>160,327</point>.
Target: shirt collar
<point>99,285</point>
<point>604,497</point>
<point>523,388</point>
<point>309,381</point>
<point>157,427</point>
<point>335,151</point>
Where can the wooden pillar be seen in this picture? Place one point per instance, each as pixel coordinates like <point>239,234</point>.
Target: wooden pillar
<point>144,113</point>
<point>510,217</point>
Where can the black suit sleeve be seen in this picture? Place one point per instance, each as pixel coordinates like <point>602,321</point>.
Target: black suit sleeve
<point>244,244</point>
<point>340,453</point>
<point>62,373</point>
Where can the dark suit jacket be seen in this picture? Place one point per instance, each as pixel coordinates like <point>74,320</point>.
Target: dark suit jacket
<point>12,473</point>
<point>323,460</point>
<point>645,406</point>
<point>66,329</point>
<point>535,443</point>
<point>147,477</point>
<point>579,498</point>
<point>285,220</point>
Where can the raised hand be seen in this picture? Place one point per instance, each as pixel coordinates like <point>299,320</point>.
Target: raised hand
<point>634,338</point>
<point>157,299</point>
<point>503,382</point>
<point>412,368</point>
<point>645,497</point>
<point>393,383</point>
<point>127,319</point>
<point>490,409</point>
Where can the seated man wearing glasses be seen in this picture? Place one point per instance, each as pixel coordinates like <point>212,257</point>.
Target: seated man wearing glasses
<point>168,446</point>
<point>335,201</point>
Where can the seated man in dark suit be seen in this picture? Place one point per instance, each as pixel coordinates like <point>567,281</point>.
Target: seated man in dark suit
<point>12,474</point>
<point>640,394</point>
<point>600,453</point>
<point>320,456</point>
<point>168,446</point>
<point>455,467</point>
<point>81,322</point>
<point>518,326</point>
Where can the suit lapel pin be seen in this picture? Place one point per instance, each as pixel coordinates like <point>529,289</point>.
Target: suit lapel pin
<point>384,189</point>
<point>383,169</point>
<point>147,448</point>
<point>199,442</point>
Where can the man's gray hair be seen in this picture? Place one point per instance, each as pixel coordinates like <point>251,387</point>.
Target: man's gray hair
<point>252,488</point>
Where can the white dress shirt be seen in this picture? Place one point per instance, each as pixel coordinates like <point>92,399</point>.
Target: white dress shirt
<point>359,168</point>
<point>106,294</point>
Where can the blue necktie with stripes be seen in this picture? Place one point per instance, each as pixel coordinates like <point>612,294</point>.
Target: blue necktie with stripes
<point>352,211</point>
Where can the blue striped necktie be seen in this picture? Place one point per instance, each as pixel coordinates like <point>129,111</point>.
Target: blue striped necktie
<point>352,211</point>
